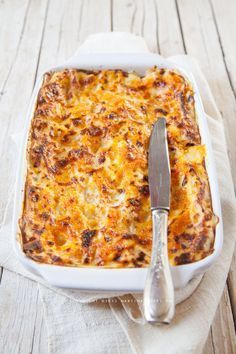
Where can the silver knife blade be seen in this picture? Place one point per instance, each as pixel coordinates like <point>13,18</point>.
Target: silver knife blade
<point>159,167</point>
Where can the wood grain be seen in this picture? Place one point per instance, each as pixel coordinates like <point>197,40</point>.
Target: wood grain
<point>138,17</point>
<point>17,87</point>
<point>221,338</point>
<point>18,307</point>
<point>223,334</point>
<point>224,17</point>
<point>68,25</point>
<point>1,271</point>
<point>169,29</point>
<point>10,39</point>
<point>40,340</point>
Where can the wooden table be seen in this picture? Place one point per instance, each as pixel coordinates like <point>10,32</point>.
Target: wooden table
<point>36,34</point>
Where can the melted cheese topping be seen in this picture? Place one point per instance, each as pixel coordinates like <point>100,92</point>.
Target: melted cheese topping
<point>87,196</point>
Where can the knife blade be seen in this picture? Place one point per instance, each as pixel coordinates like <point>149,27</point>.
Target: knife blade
<point>159,167</point>
<point>159,304</point>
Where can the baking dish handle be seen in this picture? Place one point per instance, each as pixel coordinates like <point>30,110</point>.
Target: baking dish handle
<point>111,42</point>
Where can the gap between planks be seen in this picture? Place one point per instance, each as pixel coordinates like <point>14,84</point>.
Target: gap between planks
<point>1,271</point>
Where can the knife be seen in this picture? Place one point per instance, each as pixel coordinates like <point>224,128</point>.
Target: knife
<point>158,298</point>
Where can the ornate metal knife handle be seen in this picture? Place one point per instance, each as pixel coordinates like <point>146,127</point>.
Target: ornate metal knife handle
<point>159,304</point>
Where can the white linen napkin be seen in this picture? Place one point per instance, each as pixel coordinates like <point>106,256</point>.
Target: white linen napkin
<point>72,324</point>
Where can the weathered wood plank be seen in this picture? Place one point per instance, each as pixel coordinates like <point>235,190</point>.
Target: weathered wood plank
<point>201,41</point>
<point>96,17</point>
<point>221,338</point>
<point>68,25</point>
<point>18,308</point>
<point>40,337</point>
<point>223,334</point>
<point>138,17</point>
<point>17,91</point>
<point>12,27</point>
<point>156,20</point>
<point>169,29</point>
<point>10,38</point>
<point>60,34</point>
<point>224,16</point>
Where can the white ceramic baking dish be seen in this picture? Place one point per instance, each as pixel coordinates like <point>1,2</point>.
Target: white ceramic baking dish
<point>102,279</point>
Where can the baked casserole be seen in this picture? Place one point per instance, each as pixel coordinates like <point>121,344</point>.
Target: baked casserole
<point>86,194</point>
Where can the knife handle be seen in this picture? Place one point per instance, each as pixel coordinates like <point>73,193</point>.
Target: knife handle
<point>159,303</point>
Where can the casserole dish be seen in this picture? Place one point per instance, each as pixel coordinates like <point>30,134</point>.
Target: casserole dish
<point>125,279</point>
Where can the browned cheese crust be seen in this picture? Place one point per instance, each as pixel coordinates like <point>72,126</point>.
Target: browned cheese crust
<point>86,194</point>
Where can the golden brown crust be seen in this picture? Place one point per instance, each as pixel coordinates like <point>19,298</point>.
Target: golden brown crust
<point>86,195</point>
